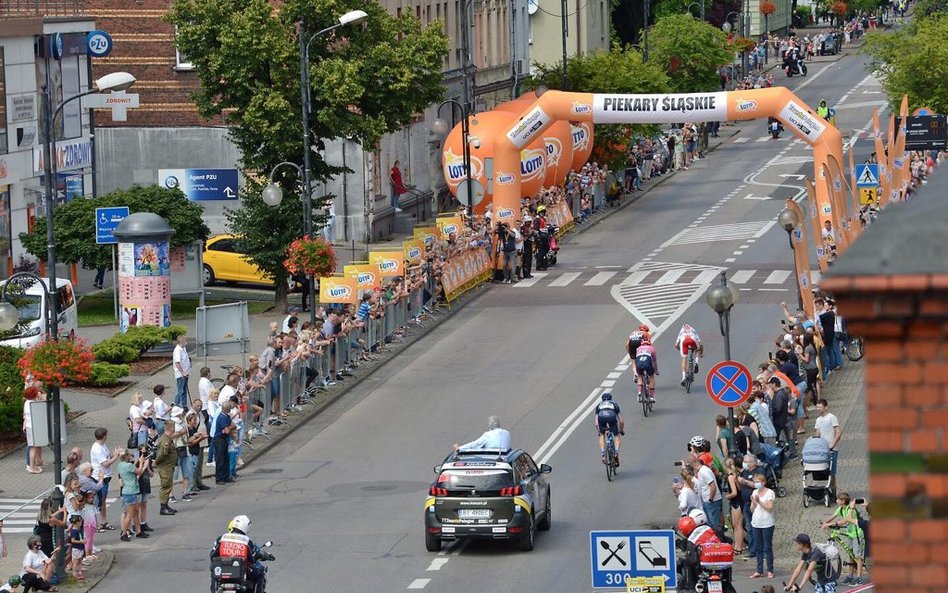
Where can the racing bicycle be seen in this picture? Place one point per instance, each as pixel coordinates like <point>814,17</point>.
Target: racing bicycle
<point>611,460</point>
<point>847,556</point>
<point>646,395</point>
<point>690,369</point>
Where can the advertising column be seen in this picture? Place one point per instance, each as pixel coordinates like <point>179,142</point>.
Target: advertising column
<point>144,270</point>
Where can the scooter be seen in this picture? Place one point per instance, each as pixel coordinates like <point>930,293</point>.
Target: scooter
<point>230,574</point>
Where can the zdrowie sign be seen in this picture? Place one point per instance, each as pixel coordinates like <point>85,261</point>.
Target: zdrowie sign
<point>798,117</point>
<point>528,127</point>
<point>611,109</point>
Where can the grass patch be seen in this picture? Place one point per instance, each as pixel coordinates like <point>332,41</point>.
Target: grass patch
<point>97,309</point>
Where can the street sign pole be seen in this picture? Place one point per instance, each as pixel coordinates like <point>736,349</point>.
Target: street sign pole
<point>115,280</point>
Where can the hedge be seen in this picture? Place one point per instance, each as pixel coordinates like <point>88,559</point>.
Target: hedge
<point>105,374</point>
<point>128,347</point>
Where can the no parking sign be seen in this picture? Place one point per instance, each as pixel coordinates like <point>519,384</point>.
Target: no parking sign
<point>729,384</point>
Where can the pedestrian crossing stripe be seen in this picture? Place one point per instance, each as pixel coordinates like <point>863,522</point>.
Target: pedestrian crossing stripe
<point>19,514</point>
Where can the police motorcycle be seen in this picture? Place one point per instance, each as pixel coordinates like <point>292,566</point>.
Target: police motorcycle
<point>793,63</point>
<point>705,559</point>
<point>774,127</point>
<point>237,563</point>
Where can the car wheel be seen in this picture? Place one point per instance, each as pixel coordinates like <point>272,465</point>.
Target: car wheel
<point>208,275</point>
<point>547,520</point>
<point>526,540</point>
<point>432,542</point>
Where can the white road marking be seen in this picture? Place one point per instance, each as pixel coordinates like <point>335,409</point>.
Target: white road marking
<point>537,276</point>
<point>753,197</point>
<point>600,279</point>
<point>773,289</point>
<point>622,367</point>
<point>777,277</point>
<point>419,584</point>
<point>741,276</point>
<point>569,419</point>
<point>741,140</point>
<point>614,375</point>
<point>670,277</point>
<point>739,231</point>
<point>766,228</point>
<point>636,276</point>
<point>606,267</point>
<point>436,564</point>
<point>706,277</point>
<point>762,139</point>
<point>729,260</point>
<point>607,384</point>
<point>565,279</point>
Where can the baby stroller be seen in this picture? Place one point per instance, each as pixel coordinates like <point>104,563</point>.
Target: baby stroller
<point>772,458</point>
<point>816,471</point>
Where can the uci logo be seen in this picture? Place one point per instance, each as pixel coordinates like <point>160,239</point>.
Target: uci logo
<point>414,253</point>
<point>505,179</point>
<point>505,213</point>
<point>747,105</point>
<point>365,278</point>
<point>388,265</point>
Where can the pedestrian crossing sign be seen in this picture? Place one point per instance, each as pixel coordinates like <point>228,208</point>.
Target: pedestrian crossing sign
<point>867,175</point>
<point>868,195</point>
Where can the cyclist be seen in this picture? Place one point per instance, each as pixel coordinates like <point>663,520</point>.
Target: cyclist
<point>635,340</point>
<point>646,365</point>
<point>687,339</point>
<point>609,416</point>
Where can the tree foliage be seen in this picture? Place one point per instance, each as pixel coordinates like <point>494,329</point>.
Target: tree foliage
<point>74,223</point>
<point>616,71</point>
<point>913,61</point>
<point>367,80</point>
<point>690,51</point>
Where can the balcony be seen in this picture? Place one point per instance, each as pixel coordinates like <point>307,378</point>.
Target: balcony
<point>38,8</point>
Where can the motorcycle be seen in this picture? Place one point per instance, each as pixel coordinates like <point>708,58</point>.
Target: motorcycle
<point>775,128</point>
<point>230,574</point>
<point>794,66</point>
<point>705,568</point>
<point>554,246</point>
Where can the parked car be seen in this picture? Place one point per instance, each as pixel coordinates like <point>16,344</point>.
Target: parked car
<point>225,258</point>
<point>31,308</point>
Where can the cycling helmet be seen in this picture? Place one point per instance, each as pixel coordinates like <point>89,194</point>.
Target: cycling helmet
<point>646,341</point>
<point>240,524</point>
<point>607,397</point>
<point>686,525</point>
<point>14,581</point>
<point>686,327</point>
<point>698,516</point>
<point>541,209</point>
<point>696,441</point>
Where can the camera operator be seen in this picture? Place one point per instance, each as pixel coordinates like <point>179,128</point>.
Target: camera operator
<point>507,239</point>
<point>528,236</point>
<point>543,236</point>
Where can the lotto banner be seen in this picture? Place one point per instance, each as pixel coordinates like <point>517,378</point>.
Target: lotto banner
<point>338,290</point>
<point>365,274</point>
<point>815,225</point>
<point>414,251</point>
<point>884,174</point>
<point>428,234</point>
<point>450,224</point>
<point>801,256</point>
<point>464,271</point>
<point>559,214</point>
<point>388,263</point>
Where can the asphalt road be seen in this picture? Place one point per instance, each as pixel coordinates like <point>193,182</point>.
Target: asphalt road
<point>342,498</point>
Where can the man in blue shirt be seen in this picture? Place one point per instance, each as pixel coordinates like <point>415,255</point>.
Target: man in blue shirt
<point>223,427</point>
<point>496,438</point>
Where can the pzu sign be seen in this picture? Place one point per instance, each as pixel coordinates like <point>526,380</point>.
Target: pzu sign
<point>99,43</point>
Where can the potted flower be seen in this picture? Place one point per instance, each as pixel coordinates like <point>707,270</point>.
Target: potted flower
<point>310,257</point>
<point>57,362</point>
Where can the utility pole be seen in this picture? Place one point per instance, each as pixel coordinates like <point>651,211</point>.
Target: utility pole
<point>645,29</point>
<point>563,11</point>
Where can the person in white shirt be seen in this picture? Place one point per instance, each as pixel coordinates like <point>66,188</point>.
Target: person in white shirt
<point>182,371</point>
<point>213,409</point>
<point>102,460</point>
<point>496,438</point>
<point>37,566</point>
<point>684,488</point>
<point>707,487</point>
<point>828,428</point>
<point>161,409</point>
<point>205,385</point>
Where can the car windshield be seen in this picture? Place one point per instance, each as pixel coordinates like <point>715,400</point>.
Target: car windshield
<point>28,306</point>
<point>475,479</point>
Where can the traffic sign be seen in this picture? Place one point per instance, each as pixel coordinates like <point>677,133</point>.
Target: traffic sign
<point>868,195</point>
<point>201,184</point>
<point>106,219</point>
<point>99,43</point>
<point>729,383</point>
<point>867,175</point>
<point>118,102</point>
<point>619,555</point>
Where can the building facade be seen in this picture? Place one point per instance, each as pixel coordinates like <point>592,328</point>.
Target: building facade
<point>588,26</point>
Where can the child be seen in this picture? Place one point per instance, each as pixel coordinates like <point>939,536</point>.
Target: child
<point>89,525</point>
<point>78,544</point>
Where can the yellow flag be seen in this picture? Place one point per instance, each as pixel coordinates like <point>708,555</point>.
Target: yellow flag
<point>388,263</point>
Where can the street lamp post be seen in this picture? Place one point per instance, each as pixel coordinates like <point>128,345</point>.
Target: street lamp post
<point>116,81</point>
<point>645,30</point>
<point>688,9</point>
<point>728,28</point>
<point>789,220</point>
<point>721,297</point>
<point>440,127</point>
<point>353,17</point>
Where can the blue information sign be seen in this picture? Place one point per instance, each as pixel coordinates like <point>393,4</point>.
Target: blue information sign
<point>106,219</point>
<point>99,43</point>
<point>616,555</point>
<point>201,184</point>
<point>867,175</point>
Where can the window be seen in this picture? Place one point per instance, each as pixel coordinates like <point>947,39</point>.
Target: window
<point>181,61</point>
<point>226,245</point>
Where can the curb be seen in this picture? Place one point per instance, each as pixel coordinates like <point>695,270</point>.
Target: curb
<point>91,581</point>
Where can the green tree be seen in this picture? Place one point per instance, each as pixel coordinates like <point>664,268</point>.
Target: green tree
<point>616,71</point>
<point>913,61</point>
<point>74,223</point>
<point>366,81</point>
<point>690,51</point>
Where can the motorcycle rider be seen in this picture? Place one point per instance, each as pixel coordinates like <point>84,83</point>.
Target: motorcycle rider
<point>236,543</point>
<point>543,235</point>
<point>823,110</point>
<point>696,534</point>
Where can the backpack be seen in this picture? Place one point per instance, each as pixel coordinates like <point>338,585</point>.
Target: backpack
<point>831,570</point>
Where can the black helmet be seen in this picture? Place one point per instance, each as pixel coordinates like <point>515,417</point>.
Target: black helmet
<point>607,397</point>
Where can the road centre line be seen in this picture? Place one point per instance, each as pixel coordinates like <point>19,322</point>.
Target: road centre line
<point>569,419</point>
<point>436,564</point>
<point>419,584</point>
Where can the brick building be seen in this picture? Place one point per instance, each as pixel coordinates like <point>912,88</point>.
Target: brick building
<point>892,287</point>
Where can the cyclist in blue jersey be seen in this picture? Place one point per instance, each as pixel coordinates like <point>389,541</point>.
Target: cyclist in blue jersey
<point>609,417</point>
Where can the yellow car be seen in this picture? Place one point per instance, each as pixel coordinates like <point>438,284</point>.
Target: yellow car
<point>225,259</point>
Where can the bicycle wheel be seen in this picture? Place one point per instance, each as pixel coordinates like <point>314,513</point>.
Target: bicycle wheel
<point>610,458</point>
<point>645,395</point>
<point>690,371</point>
